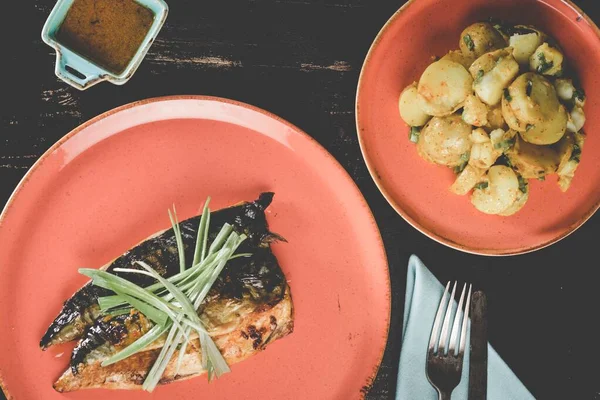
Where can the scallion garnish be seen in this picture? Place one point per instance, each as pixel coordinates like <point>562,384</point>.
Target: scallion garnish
<point>414,133</point>
<point>522,184</point>
<point>482,185</point>
<point>469,42</point>
<point>545,65</point>
<point>172,303</point>
<point>507,95</point>
<point>529,87</point>
<point>576,154</point>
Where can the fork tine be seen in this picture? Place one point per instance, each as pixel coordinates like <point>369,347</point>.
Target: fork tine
<point>444,335</point>
<point>463,334</point>
<point>438,320</point>
<point>452,348</point>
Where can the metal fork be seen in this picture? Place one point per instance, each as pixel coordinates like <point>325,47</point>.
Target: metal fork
<point>444,370</point>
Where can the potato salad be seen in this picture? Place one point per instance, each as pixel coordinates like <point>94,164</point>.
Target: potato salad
<point>500,110</point>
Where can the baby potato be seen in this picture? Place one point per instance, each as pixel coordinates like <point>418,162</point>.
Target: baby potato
<point>410,110</point>
<point>466,180</point>
<point>576,119</point>
<point>475,112</point>
<point>495,118</point>
<point>533,98</point>
<point>564,89</point>
<point>445,140</point>
<point>458,56</point>
<point>493,72</point>
<point>479,136</point>
<point>548,131</point>
<point>500,193</point>
<point>483,155</point>
<point>522,197</point>
<point>479,38</point>
<point>532,161</point>
<point>569,149</point>
<point>524,41</point>
<point>503,140</point>
<point>509,115</point>
<point>443,88</point>
<point>546,60</point>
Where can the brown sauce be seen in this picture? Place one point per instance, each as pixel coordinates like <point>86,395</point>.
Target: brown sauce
<point>107,32</point>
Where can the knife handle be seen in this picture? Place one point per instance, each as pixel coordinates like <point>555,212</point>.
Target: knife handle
<point>479,350</point>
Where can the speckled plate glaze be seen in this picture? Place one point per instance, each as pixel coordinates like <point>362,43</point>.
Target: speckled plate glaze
<point>108,184</point>
<point>419,191</point>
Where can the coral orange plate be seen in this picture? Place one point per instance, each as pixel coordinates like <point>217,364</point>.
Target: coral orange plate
<point>108,184</point>
<point>419,191</point>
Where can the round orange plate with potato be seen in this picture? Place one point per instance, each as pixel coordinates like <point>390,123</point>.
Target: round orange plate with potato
<point>108,184</point>
<point>420,191</point>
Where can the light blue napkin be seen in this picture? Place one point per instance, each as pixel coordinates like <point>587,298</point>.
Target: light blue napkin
<point>423,294</point>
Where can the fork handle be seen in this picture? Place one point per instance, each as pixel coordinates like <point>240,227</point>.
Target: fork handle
<point>443,396</point>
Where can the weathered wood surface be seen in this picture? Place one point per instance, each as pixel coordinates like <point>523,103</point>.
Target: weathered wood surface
<point>300,59</point>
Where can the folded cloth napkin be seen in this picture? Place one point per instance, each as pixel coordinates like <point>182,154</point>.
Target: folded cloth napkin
<point>423,295</point>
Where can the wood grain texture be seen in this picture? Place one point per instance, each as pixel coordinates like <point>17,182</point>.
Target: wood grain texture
<point>301,59</point>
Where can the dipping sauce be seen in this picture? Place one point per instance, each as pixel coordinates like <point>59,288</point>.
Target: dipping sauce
<point>107,32</point>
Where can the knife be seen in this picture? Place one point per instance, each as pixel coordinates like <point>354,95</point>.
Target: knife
<point>479,350</point>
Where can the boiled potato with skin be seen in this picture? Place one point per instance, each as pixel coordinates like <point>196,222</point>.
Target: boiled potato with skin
<point>503,140</point>
<point>475,112</point>
<point>459,57</point>
<point>569,149</point>
<point>443,88</point>
<point>479,136</point>
<point>466,180</point>
<point>495,118</point>
<point>493,72</point>
<point>483,155</point>
<point>532,161</point>
<point>501,192</point>
<point>522,198</point>
<point>546,60</point>
<point>533,98</point>
<point>445,140</point>
<point>479,38</point>
<point>410,110</point>
<point>548,131</point>
<point>576,119</point>
<point>524,41</point>
<point>510,117</point>
<point>564,89</point>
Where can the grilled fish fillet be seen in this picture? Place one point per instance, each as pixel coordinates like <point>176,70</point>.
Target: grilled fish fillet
<point>248,307</point>
<point>254,333</point>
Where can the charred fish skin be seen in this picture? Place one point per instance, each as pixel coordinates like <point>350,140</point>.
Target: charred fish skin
<point>245,286</point>
<point>160,252</point>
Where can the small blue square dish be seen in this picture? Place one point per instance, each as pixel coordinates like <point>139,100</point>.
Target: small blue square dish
<point>92,40</point>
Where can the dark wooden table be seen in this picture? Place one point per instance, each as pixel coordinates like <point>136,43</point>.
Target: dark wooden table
<point>301,59</point>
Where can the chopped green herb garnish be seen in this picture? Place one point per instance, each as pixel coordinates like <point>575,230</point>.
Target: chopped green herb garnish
<point>579,94</point>
<point>522,184</point>
<point>541,178</point>
<point>480,74</point>
<point>576,153</point>
<point>469,42</point>
<point>505,144</point>
<point>544,64</point>
<point>482,185</point>
<point>414,133</point>
<point>464,158</point>
<point>529,127</point>
<point>529,88</point>
<point>507,95</point>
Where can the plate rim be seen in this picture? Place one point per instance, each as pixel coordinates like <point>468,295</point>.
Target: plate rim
<point>389,198</point>
<point>388,289</point>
